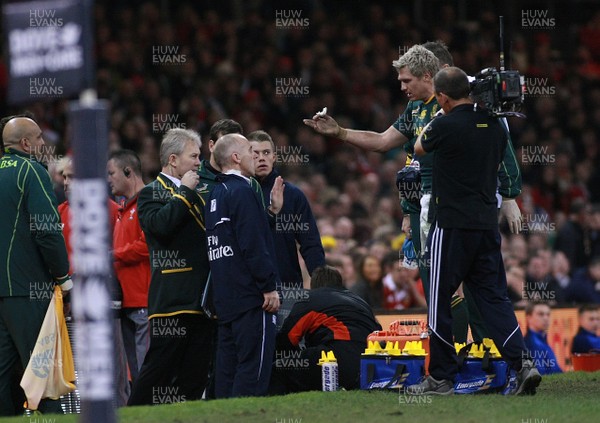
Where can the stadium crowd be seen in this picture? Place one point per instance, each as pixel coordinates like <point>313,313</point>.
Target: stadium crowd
<point>186,64</point>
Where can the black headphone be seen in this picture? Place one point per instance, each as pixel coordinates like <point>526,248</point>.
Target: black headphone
<point>126,172</point>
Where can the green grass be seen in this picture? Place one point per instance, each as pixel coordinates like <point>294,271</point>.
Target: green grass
<point>570,397</point>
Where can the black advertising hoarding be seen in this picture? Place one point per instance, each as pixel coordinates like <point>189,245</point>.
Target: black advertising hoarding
<point>49,49</point>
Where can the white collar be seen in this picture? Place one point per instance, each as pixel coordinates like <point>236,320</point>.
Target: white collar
<point>173,179</point>
<point>236,172</point>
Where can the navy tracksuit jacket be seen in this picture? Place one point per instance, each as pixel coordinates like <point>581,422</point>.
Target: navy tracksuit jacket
<point>295,222</point>
<point>241,256</point>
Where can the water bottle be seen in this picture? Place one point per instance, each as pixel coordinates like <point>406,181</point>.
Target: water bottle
<point>329,371</point>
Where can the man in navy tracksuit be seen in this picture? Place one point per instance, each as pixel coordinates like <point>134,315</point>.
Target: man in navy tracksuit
<point>244,273</point>
<point>464,244</point>
<point>295,222</point>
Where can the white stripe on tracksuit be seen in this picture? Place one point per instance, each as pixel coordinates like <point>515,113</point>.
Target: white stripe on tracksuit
<point>262,346</point>
<point>434,279</point>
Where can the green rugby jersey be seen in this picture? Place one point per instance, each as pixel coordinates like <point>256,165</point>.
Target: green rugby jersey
<point>509,174</point>
<point>411,123</point>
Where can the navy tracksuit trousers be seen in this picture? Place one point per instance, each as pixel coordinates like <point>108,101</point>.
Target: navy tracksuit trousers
<point>472,256</point>
<point>245,354</point>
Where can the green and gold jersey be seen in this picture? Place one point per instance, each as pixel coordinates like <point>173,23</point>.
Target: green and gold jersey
<point>411,123</point>
<point>32,248</point>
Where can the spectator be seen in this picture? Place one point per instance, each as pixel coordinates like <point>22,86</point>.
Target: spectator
<point>242,263</point>
<point>400,289</point>
<point>348,271</point>
<point>130,255</point>
<point>295,229</point>
<point>330,319</point>
<point>170,214</point>
<point>540,284</point>
<point>515,280</point>
<point>369,286</point>
<point>537,315</point>
<point>585,285</point>
<point>587,337</point>
<point>572,236</point>
<point>33,248</point>
<point>594,225</point>
<point>561,270</point>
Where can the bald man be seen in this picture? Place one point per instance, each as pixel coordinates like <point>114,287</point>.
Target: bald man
<point>33,255</point>
<point>244,273</point>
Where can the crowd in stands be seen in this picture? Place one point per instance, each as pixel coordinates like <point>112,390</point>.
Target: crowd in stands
<point>188,64</point>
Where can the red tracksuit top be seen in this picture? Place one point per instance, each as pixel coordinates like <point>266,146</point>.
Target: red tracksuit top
<point>132,262</point>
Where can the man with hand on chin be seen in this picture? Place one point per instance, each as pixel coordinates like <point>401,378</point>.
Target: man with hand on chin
<point>170,212</point>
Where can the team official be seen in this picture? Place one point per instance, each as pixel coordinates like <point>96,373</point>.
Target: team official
<point>244,274</point>
<point>170,212</point>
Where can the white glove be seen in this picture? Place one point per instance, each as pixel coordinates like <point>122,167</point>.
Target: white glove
<point>510,210</point>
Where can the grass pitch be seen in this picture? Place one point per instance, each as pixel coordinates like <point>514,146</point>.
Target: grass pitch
<point>569,397</point>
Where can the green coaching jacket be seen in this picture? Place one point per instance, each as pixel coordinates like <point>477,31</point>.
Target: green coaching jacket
<point>173,221</point>
<point>32,248</point>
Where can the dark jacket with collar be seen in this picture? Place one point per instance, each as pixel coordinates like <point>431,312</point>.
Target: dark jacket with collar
<point>294,223</point>
<point>240,248</point>
<point>172,220</point>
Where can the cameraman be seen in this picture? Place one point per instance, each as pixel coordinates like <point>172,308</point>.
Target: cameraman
<point>465,313</point>
<point>465,241</point>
